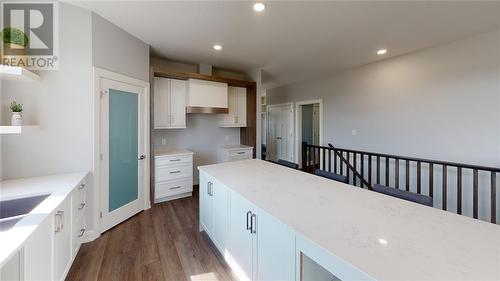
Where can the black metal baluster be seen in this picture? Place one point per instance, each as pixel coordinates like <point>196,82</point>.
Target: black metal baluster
<point>378,169</point>
<point>341,163</point>
<point>354,179</point>
<point>347,166</point>
<point>475,194</point>
<point>324,160</point>
<point>387,159</point>
<point>419,177</point>
<point>493,195</point>
<point>370,170</point>
<point>445,186</point>
<point>362,168</point>
<point>459,190</point>
<point>407,175</point>
<point>431,179</point>
<point>329,160</point>
<point>335,161</point>
<point>396,173</point>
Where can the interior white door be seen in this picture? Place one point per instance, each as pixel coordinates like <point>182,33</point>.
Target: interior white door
<point>280,136</point>
<point>123,111</point>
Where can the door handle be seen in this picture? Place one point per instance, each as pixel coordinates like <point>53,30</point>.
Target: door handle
<point>142,157</point>
<point>278,138</point>
<point>249,226</point>
<point>253,219</point>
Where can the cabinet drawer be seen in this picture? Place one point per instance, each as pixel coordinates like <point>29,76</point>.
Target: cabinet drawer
<point>77,234</point>
<point>240,153</point>
<point>173,188</point>
<point>173,160</point>
<point>78,203</point>
<point>238,158</point>
<point>166,173</point>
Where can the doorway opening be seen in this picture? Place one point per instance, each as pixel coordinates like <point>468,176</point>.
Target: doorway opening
<point>280,132</point>
<point>309,127</point>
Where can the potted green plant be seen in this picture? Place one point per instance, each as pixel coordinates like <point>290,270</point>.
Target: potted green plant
<point>13,38</point>
<point>17,118</point>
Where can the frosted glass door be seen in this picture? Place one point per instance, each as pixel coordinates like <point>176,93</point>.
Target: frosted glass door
<point>123,148</point>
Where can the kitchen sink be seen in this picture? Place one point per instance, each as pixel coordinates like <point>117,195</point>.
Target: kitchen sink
<point>12,211</point>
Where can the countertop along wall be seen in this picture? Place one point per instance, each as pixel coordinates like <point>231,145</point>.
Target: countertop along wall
<point>441,103</point>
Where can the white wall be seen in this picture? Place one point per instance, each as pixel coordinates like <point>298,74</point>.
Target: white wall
<point>441,103</point>
<point>202,136</point>
<point>61,103</point>
<point>116,50</point>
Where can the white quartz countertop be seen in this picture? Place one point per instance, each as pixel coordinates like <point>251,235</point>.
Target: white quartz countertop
<point>172,151</point>
<point>385,237</point>
<point>58,186</point>
<point>234,146</point>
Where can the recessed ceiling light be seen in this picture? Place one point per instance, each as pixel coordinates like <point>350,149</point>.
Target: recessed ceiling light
<point>259,7</point>
<point>217,47</point>
<point>381,52</point>
<point>382,241</point>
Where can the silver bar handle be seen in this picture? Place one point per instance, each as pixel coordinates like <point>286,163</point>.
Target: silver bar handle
<point>176,187</point>
<point>82,231</point>
<point>249,226</point>
<point>175,172</point>
<point>81,186</point>
<point>81,206</point>
<point>253,222</point>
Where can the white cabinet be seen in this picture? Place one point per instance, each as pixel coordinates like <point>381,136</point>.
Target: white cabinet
<point>12,269</point>
<point>214,211</point>
<point>173,174</point>
<point>209,94</point>
<point>169,103</point>
<point>237,102</point>
<point>62,239</point>
<point>259,247</point>
<point>38,251</point>
<point>78,208</point>
<point>234,152</point>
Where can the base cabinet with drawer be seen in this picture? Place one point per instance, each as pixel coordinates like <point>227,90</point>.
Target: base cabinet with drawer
<point>49,251</point>
<point>256,246</point>
<point>234,152</point>
<point>173,174</point>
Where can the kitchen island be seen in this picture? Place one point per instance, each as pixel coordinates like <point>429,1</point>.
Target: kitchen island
<point>350,232</point>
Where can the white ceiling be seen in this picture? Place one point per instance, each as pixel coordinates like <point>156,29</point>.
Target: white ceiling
<point>292,41</point>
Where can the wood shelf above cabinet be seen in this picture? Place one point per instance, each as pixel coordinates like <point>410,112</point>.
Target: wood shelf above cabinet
<point>15,73</point>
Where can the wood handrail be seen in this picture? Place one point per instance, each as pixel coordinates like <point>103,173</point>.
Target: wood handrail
<point>349,166</point>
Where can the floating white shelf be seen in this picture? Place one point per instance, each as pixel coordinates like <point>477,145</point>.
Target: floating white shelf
<point>12,130</point>
<point>15,73</point>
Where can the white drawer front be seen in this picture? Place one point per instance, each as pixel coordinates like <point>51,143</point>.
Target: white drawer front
<point>165,173</point>
<point>173,188</point>
<point>173,160</point>
<point>238,158</point>
<point>240,153</point>
<point>78,232</point>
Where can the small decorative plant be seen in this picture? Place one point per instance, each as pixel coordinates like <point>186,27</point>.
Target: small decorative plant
<point>16,118</point>
<point>14,36</point>
<point>16,107</point>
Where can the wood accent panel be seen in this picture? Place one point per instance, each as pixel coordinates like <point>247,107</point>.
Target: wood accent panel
<point>248,134</point>
<point>167,73</point>
<point>159,244</point>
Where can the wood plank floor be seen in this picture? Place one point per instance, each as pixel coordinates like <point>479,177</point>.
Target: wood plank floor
<point>159,244</point>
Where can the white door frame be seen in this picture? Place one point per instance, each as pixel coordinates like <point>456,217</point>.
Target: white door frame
<point>293,139</point>
<point>298,127</point>
<point>99,74</point>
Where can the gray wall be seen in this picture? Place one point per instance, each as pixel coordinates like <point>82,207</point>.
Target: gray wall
<point>116,50</point>
<point>441,103</point>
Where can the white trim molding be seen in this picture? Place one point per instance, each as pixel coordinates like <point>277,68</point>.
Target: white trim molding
<point>298,126</point>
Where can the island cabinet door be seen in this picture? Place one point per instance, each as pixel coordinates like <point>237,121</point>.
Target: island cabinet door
<point>220,215</point>
<point>38,251</point>
<point>206,217</point>
<point>241,250</point>
<point>275,248</point>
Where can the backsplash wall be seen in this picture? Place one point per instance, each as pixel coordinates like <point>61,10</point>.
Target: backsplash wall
<point>202,136</point>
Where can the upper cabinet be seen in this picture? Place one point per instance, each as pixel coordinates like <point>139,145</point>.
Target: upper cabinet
<point>206,97</point>
<point>237,116</point>
<point>169,103</point>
